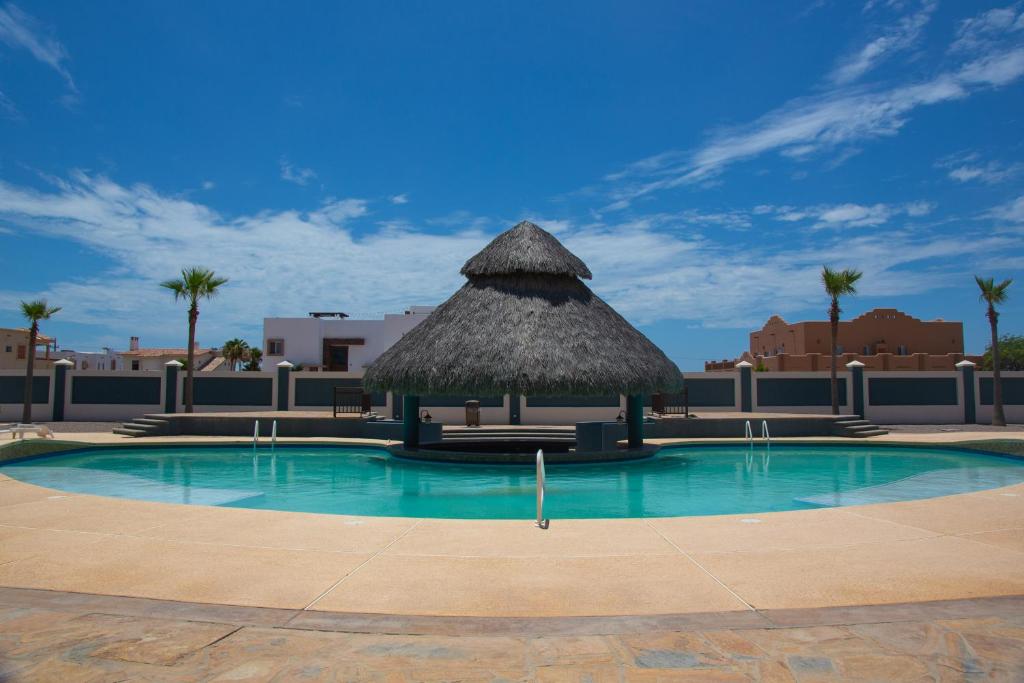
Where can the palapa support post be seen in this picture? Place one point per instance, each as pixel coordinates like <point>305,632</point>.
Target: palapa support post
<point>635,420</point>
<point>746,387</point>
<point>411,421</point>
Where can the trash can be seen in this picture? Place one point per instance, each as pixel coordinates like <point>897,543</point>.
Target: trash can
<point>472,413</point>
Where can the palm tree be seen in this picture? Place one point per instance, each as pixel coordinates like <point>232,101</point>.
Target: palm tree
<point>994,294</point>
<point>837,283</point>
<point>255,357</point>
<point>34,311</point>
<point>235,350</point>
<point>194,284</point>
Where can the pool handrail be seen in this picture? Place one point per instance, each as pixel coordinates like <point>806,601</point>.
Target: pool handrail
<point>542,522</point>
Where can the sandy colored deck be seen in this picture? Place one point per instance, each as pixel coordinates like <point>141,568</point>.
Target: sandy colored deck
<point>963,546</point>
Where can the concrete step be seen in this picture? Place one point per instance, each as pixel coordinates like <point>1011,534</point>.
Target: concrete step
<point>519,439</point>
<point>154,421</point>
<point>868,432</point>
<point>128,431</point>
<point>851,423</point>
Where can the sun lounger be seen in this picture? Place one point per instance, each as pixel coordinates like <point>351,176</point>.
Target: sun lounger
<point>20,430</point>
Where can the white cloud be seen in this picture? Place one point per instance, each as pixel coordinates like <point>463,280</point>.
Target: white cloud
<point>980,32</point>
<point>296,174</point>
<point>209,184</point>
<point>288,262</point>
<point>901,35</point>
<point>19,30</point>
<point>1011,212</point>
<point>804,126</point>
<point>399,199</point>
<point>968,166</point>
<point>847,215</point>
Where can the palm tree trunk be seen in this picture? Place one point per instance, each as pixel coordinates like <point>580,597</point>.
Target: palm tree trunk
<point>998,416</point>
<point>193,317</point>
<point>834,320</point>
<point>30,361</point>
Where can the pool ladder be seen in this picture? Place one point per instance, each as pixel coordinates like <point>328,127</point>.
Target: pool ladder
<point>748,433</point>
<point>542,522</point>
<point>256,436</point>
<point>766,457</point>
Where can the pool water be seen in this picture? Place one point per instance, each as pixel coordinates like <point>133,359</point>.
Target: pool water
<point>692,480</point>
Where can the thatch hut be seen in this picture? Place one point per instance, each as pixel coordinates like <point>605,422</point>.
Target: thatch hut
<point>525,323</point>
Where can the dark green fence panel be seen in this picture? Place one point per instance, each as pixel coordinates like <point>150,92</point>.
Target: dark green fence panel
<point>116,390</point>
<point>12,390</point>
<point>798,391</point>
<point>320,391</point>
<point>1013,391</point>
<point>710,393</point>
<point>912,391</point>
<point>572,401</point>
<point>460,401</point>
<point>233,391</point>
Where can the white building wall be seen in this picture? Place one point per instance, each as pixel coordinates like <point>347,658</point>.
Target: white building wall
<point>303,337</point>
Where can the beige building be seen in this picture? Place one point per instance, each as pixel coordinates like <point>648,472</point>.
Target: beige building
<point>14,349</point>
<point>138,358</point>
<point>882,339</point>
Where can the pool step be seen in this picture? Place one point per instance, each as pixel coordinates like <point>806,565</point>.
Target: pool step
<point>857,428</point>
<point>143,426</point>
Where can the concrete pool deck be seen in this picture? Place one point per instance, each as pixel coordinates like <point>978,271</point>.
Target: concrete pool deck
<point>955,547</point>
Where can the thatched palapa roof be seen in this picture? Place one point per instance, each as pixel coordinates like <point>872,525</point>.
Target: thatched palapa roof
<point>524,323</point>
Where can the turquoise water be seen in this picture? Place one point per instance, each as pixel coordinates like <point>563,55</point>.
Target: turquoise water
<point>698,480</point>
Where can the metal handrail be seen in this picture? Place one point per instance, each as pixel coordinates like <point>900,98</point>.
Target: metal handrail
<point>764,431</point>
<point>273,436</point>
<point>748,433</point>
<point>541,488</point>
<point>255,436</point>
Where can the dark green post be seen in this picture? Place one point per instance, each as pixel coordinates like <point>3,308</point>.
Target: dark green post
<point>411,421</point>
<point>856,369</point>
<point>966,369</point>
<point>171,368</point>
<point>746,387</point>
<point>284,374</point>
<point>60,383</point>
<point>635,420</point>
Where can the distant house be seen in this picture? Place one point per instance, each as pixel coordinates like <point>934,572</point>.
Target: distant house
<point>331,341</point>
<point>882,339</point>
<point>14,349</point>
<point>106,359</point>
<point>138,358</point>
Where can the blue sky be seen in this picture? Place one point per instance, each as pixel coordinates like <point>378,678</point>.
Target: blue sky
<point>704,158</point>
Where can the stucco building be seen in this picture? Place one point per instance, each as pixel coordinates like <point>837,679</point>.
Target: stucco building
<point>139,358</point>
<point>332,341</point>
<point>882,339</point>
<point>14,349</point>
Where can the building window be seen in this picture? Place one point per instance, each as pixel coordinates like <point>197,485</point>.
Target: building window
<point>867,350</point>
<point>85,365</point>
<point>21,352</point>
<point>8,348</point>
<point>135,365</point>
<point>113,364</point>
<point>275,347</point>
<point>901,350</point>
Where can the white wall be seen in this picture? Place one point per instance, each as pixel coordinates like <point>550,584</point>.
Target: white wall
<point>41,412</point>
<point>1014,413</point>
<point>801,410</point>
<point>303,337</point>
<point>90,412</point>
<point>568,416</point>
<point>911,414</point>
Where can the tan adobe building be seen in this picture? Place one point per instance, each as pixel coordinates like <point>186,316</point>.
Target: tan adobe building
<point>882,339</point>
<point>14,349</point>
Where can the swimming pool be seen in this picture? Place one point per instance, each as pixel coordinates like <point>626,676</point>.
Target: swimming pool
<point>690,480</point>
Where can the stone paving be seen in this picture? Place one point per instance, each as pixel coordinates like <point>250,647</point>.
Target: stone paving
<point>54,636</point>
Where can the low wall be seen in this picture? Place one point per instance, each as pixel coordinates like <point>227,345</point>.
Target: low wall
<point>883,397</point>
